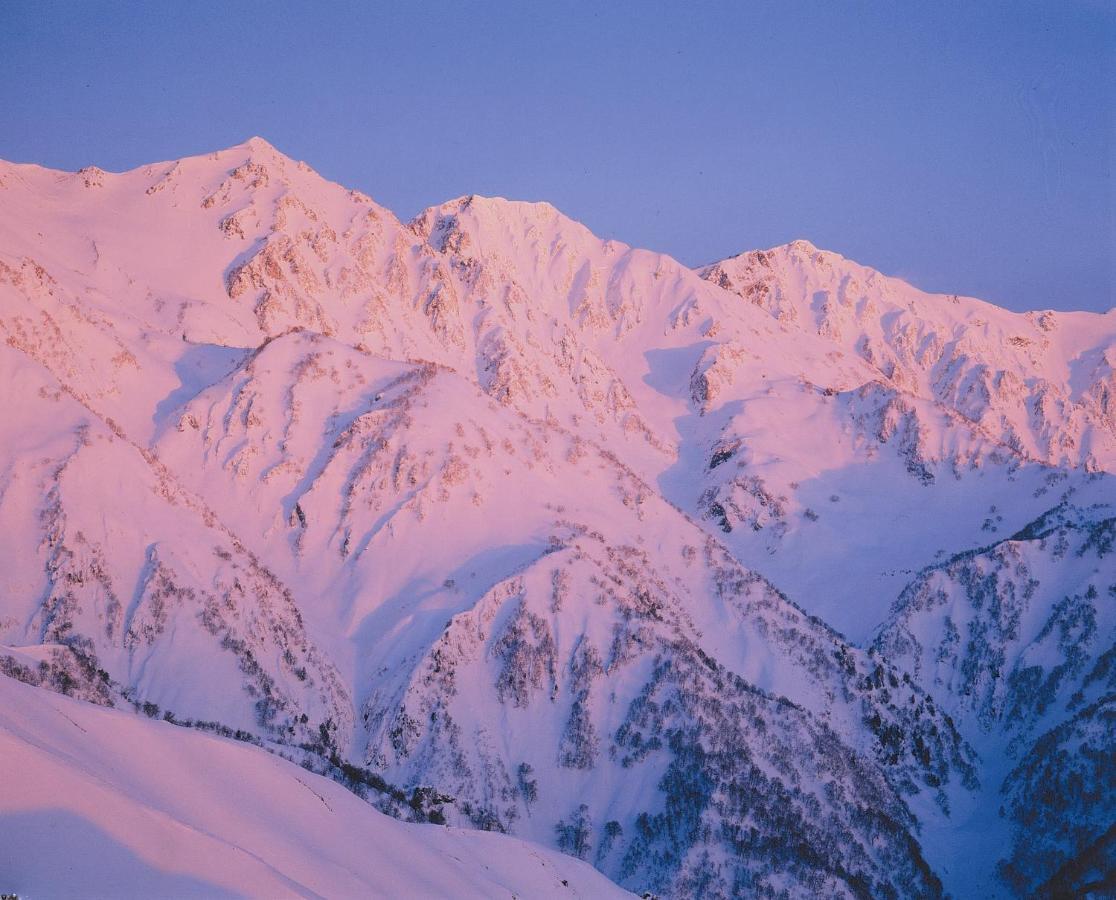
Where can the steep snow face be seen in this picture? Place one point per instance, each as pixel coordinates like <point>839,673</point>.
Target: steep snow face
<point>626,325</point>
<point>963,413</point>
<point>1040,383</point>
<point>872,482</point>
<point>166,272</point>
<point>1018,642</point>
<point>111,803</point>
<point>496,508</point>
<point>617,729</point>
<point>137,579</point>
<point>505,633</point>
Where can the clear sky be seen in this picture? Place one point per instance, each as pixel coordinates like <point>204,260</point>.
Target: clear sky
<point>967,147</point>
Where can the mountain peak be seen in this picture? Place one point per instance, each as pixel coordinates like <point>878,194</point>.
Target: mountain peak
<point>502,208</point>
<point>257,144</point>
<point>799,247</point>
<point>259,150</point>
<point>491,216</point>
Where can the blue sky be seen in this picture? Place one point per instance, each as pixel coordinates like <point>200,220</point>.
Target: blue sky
<point>967,147</point>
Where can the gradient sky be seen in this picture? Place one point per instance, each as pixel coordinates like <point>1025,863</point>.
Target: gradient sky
<point>967,147</point>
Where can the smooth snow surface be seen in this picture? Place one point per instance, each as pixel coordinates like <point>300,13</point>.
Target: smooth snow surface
<point>100,803</point>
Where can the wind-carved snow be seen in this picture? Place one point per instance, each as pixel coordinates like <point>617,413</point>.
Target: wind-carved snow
<point>489,509</point>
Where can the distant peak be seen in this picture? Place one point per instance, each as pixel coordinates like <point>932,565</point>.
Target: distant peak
<point>479,215</point>
<point>503,206</point>
<point>260,150</point>
<point>797,248</point>
<point>259,145</point>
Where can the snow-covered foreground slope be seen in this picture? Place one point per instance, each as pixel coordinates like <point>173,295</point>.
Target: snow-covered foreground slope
<point>637,562</point>
<point>101,803</point>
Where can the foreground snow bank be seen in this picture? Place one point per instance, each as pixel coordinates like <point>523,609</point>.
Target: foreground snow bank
<point>101,803</point>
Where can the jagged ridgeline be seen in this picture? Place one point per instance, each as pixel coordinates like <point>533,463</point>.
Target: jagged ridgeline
<point>778,577</point>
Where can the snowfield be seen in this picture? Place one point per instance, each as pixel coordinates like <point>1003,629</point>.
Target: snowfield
<point>775,578</point>
<point>100,803</point>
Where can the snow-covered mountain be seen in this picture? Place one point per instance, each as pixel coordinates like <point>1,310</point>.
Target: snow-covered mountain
<point>1015,641</point>
<point>683,573</point>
